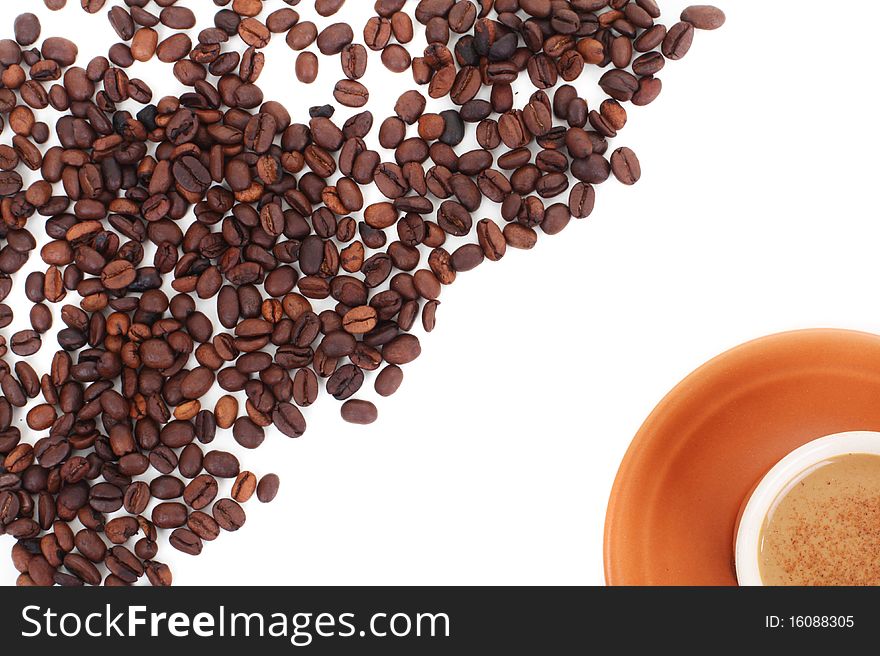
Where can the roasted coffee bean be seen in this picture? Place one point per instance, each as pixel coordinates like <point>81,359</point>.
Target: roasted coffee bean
<point>60,50</point>
<point>226,411</point>
<point>169,515</point>
<point>221,463</point>
<point>354,61</point>
<point>377,32</point>
<point>678,41</point>
<point>356,411</point>
<point>702,17</point>
<point>287,417</point>
<point>27,29</point>
<point>302,35</point>
<point>186,541</point>
<point>351,93</point>
<point>306,69</point>
<point>25,342</point>
<point>620,85</point>
<point>267,488</point>
<point>247,434</point>
<point>334,38</point>
<point>305,391</point>
<point>228,514</point>
<point>345,381</point>
<point>174,48</point>
<point>389,380</point>
<point>244,486</point>
<point>200,491</point>
<point>625,166</point>
<point>396,58</point>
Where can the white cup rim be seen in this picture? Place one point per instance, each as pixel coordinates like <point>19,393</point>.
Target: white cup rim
<point>812,453</point>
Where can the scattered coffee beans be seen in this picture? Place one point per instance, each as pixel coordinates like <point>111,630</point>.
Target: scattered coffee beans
<point>318,252</point>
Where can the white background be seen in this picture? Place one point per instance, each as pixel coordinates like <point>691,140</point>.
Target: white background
<point>756,213</point>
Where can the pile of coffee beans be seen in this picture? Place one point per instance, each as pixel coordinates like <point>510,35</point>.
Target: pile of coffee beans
<point>218,195</point>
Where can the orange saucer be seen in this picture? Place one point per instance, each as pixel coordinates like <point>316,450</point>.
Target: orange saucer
<point>675,502</point>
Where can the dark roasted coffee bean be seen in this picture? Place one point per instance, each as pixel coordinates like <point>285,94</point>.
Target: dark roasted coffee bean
<point>186,541</point>
<point>27,29</point>
<point>25,342</point>
<point>395,58</point>
<point>288,418</point>
<point>334,38</point>
<point>702,17</point>
<point>200,492</point>
<point>247,434</point>
<point>267,488</point>
<point>625,166</point>
<point>354,61</point>
<point>228,514</point>
<point>305,391</point>
<point>221,464</point>
<point>389,380</point>
<point>356,411</point>
<point>169,515</point>
<point>620,85</point>
<point>351,93</point>
<point>678,41</point>
<point>306,68</point>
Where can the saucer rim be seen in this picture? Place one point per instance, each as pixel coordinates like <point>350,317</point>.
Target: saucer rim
<point>620,569</point>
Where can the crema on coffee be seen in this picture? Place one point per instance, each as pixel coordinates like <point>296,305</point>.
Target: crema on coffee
<point>824,527</point>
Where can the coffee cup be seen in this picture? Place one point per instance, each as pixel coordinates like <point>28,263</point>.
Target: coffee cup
<point>778,483</point>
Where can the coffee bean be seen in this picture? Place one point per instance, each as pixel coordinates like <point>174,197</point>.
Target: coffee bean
<point>403,349</point>
<point>60,50</point>
<point>678,41</point>
<point>92,6</point>
<point>345,382</point>
<point>396,58</point>
<point>228,514</point>
<point>620,85</point>
<point>354,61</point>
<point>287,417</point>
<point>247,434</point>
<point>302,35</point>
<point>281,20</point>
<point>169,515</point>
<point>305,390</point>
<point>174,48</point>
<point>25,342</point>
<point>185,541</point>
<point>351,93</point>
<point>254,33</point>
<point>27,29</point>
<point>244,487</point>
<point>377,32</point>
<point>121,529</point>
<point>328,7</point>
<point>222,464</point>
<point>267,488</point>
<point>520,236</point>
<point>581,200</point>
<point>389,380</point>
<point>118,274</point>
<point>200,491</point>
<point>334,38</point>
<point>203,525</point>
<point>625,166</point>
<point>226,411</point>
<point>356,411</point>
<point>702,17</point>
